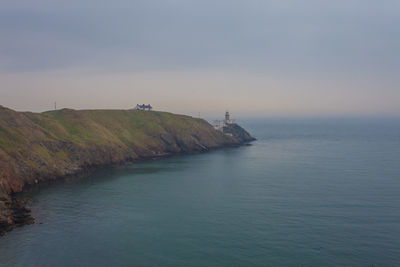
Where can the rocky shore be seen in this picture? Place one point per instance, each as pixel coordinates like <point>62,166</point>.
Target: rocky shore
<point>37,148</point>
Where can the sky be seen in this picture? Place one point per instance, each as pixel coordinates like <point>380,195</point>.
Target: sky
<point>252,57</point>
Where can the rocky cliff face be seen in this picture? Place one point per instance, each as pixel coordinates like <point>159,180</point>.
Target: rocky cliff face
<point>39,147</point>
<point>238,132</point>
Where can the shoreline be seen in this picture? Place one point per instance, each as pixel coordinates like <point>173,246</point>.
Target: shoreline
<point>17,205</point>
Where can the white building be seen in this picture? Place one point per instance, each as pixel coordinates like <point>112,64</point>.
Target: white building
<point>220,124</point>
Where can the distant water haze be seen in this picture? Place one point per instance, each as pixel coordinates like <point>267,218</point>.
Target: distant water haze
<point>255,58</point>
<point>204,94</point>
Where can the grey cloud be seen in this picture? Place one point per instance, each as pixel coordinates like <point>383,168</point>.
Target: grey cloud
<point>201,34</point>
<point>307,56</point>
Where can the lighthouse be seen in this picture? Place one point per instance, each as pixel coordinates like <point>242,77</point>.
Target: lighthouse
<point>227,117</point>
<point>220,124</point>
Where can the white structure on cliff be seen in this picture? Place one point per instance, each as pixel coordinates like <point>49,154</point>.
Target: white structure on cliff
<point>220,124</point>
<point>144,107</point>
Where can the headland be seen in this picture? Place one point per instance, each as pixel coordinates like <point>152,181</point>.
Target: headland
<point>37,148</point>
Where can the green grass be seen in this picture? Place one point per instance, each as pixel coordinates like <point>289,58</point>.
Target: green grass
<point>122,129</point>
<point>61,142</point>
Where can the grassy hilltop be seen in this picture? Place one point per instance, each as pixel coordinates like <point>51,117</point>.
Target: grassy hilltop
<point>38,147</point>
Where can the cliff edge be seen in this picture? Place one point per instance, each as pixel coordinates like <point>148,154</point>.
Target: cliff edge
<point>40,147</point>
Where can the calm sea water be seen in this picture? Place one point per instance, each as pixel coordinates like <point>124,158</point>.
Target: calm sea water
<point>307,193</point>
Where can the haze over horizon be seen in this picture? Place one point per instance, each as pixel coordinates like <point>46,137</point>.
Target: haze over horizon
<point>254,58</point>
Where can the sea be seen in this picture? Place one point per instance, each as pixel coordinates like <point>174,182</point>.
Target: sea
<point>308,192</point>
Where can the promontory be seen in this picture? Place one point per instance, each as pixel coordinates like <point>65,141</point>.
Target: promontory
<point>36,148</point>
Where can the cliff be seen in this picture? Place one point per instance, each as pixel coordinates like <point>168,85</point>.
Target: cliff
<point>238,132</point>
<point>39,147</point>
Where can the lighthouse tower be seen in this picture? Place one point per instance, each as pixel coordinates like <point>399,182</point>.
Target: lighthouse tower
<point>227,117</point>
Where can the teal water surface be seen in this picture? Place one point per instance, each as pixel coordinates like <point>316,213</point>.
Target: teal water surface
<point>308,192</point>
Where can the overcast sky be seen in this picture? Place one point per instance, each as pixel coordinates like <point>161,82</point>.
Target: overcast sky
<point>255,58</point>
